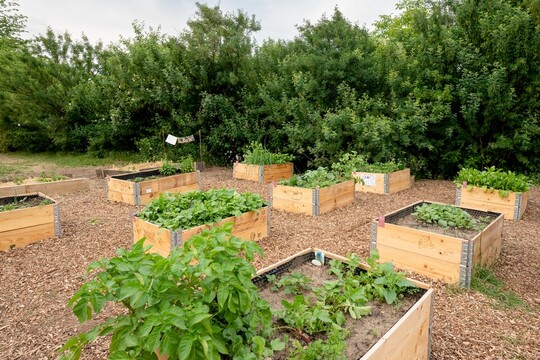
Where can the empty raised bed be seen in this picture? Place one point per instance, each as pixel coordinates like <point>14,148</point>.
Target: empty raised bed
<point>262,173</point>
<point>434,251</point>
<point>28,218</point>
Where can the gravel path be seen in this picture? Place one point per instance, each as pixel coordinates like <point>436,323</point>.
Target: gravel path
<point>36,281</point>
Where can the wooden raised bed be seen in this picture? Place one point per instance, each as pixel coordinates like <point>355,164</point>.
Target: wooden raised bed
<point>384,183</point>
<point>122,188</point>
<point>512,206</point>
<point>312,201</point>
<point>447,258</point>
<point>25,226</point>
<point>251,225</point>
<point>408,338</point>
<point>54,187</point>
<point>263,173</point>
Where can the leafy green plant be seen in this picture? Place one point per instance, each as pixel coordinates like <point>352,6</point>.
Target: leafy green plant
<point>186,164</point>
<point>295,283</point>
<point>140,178</point>
<point>256,154</point>
<point>331,348</point>
<point>351,162</point>
<point>194,208</point>
<point>447,216</point>
<point>198,303</point>
<point>321,177</point>
<point>44,178</point>
<point>168,169</point>
<point>492,179</point>
<point>23,203</point>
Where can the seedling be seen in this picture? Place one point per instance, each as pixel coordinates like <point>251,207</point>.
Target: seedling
<point>295,283</point>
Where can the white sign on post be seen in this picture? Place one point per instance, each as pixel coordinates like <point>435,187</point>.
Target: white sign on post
<point>171,139</point>
<point>186,139</point>
<point>369,180</point>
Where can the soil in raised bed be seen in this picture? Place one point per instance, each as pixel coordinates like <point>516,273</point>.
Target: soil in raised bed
<point>467,234</point>
<point>363,333</point>
<point>22,203</point>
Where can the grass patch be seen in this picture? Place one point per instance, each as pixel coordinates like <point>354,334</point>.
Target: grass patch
<point>74,160</point>
<point>8,169</point>
<point>485,282</point>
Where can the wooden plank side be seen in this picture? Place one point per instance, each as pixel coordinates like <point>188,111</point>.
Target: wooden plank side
<point>378,188</point>
<point>278,172</point>
<point>340,201</point>
<point>331,192</point>
<point>425,265</point>
<point>246,171</point>
<point>27,235</point>
<point>119,185</point>
<point>159,238</point>
<point>169,182</point>
<point>488,201</point>
<point>55,187</point>
<point>23,218</point>
<point>399,180</point>
<point>409,338</point>
<point>128,198</point>
<point>490,243</point>
<point>423,243</point>
<point>524,200</point>
<point>293,199</point>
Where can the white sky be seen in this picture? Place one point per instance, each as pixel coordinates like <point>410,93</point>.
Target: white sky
<point>108,19</point>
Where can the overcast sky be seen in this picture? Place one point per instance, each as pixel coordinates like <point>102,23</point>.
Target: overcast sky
<point>108,19</point>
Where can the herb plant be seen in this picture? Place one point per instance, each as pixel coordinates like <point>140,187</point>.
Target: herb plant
<point>494,179</point>
<point>194,208</point>
<point>186,164</point>
<point>256,154</point>
<point>447,216</point>
<point>352,162</point>
<point>321,177</point>
<point>198,303</point>
<point>168,169</point>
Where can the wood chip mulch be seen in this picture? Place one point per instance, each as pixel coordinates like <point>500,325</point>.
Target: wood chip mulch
<point>36,281</point>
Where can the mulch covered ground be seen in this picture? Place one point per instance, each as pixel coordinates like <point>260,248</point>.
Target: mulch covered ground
<point>36,281</point>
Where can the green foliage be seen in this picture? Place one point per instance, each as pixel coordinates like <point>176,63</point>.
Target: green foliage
<point>138,179</point>
<point>187,210</point>
<point>186,164</point>
<point>22,203</point>
<point>311,179</point>
<point>332,348</point>
<point>494,179</point>
<point>255,154</point>
<point>168,169</point>
<point>295,283</point>
<point>351,162</point>
<point>198,303</point>
<point>447,216</point>
<point>485,282</point>
<point>54,177</point>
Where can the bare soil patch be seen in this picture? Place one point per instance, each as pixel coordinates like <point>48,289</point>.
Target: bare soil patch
<point>36,281</point>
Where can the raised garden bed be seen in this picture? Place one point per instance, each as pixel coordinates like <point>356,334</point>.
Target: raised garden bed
<point>433,251</point>
<point>28,218</point>
<point>128,189</point>
<point>103,173</point>
<point>250,225</point>
<point>312,201</point>
<point>512,206</point>
<point>384,183</point>
<point>262,173</point>
<point>406,333</point>
<point>57,187</point>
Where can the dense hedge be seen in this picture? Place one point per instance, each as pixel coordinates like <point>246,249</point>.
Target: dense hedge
<point>443,85</point>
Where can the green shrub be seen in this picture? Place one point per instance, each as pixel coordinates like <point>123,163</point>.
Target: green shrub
<point>257,155</point>
<point>352,162</point>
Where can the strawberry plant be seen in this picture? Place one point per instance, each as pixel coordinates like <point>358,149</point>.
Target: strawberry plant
<point>256,154</point>
<point>321,177</point>
<point>447,216</point>
<point>492,179</point>
<point>194,208</point>
<point>198,303</point>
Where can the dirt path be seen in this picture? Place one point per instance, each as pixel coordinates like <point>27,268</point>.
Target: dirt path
<point>36,281</point>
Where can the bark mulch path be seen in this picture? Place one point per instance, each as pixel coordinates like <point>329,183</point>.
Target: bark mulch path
<point>36,281</point>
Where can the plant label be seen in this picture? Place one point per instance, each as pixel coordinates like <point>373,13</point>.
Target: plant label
<point>171,139</point>
<point>149,190</point>
<point>381,221</point>
<point>369,180</point>
<point>464,184</point>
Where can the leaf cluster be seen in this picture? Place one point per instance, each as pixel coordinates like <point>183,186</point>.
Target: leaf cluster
<point>294,283</point>
<point>186,210</point>
<point>446,216</point>
<point>494,179</point>
<point>186,164</point>
<point>168,169</point>
<point>353,162</point>
<point>256,154</point>
<point>198,303</point>
<point>22,203</point>
<point>322,177</point>
<point>54,177</point>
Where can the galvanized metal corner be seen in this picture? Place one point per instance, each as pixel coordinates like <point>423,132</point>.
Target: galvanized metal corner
<point>199,179</point>
<point>269,222</point>
<point>387,183</point>
<point>57,222</point>
<point>458,196</point>
<point>271,195</point>
<point>261,173</point>
<point>316,202</point>
<point>517,206</point>
<point>233,169</point>
<point>176,239</point>
<point>373,236</point>
<point>466,266</point>
<point>137,193</point>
